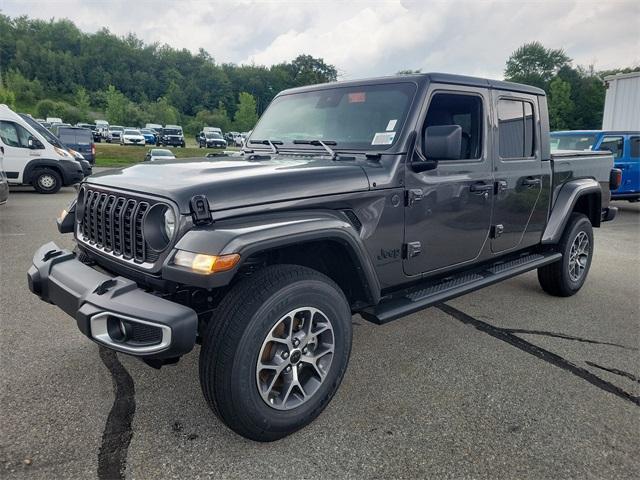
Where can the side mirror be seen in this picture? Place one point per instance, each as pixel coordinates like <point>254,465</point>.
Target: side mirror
<point>443,142</point>
<point>31,142</point>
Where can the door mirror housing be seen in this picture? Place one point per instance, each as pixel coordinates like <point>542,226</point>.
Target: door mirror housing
<point>34,143</point>
<point>442,142</point>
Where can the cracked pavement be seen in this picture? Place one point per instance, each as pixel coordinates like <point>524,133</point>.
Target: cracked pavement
<point>505,382</point>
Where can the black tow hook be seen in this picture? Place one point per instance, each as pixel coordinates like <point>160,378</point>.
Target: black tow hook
<point>105,286</point>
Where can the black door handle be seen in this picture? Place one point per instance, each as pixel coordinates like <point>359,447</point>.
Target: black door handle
<point>480,188</point>
<point>531,182</point>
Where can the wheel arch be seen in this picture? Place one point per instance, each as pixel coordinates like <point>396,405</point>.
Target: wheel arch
<point>34,165</point>
<point>322,240</point>
<point>582,196</point>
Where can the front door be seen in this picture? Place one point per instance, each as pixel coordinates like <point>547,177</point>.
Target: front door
<point>448,209</point>
<point>518,173</point>
<point>15,140</point>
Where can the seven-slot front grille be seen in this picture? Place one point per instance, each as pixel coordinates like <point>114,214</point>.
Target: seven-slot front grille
<point>113,223</point>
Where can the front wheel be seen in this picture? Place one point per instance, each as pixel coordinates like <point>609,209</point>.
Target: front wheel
<point>566,276</point>
<point>47,181</point>
<point>276,352</point>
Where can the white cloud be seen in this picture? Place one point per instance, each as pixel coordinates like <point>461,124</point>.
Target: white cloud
<point>368,38</point>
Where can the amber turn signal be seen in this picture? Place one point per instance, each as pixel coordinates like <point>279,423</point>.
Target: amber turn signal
<point>202,263</point>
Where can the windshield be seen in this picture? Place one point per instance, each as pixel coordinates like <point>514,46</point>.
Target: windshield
<point>146,131</point>
<point>364,117</point>
<point>161,153</point>
<point>213,135</point>
<point>49,137</point>
<point>172,131</point>
<point>574,141</point>
<point>116,128</point>
<point>75,136</point>
<point>132,132</point>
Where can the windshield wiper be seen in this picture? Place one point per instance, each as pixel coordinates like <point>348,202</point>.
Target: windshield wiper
<point>319,143</point>
<point>271,143</point>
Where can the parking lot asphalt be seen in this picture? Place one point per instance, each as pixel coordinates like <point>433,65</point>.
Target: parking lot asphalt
<point>506,382</point>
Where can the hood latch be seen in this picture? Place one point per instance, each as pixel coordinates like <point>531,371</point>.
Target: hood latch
<point>200,212</point>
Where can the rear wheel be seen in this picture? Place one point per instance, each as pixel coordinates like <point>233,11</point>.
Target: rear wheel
<point>276,352</point>
<point>47,181</point>
<point>566,276</point>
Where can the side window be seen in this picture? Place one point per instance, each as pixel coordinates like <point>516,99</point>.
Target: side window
<point>516,129</point>
<point>462,110</point>
<point>614,144</point>
<point>635,146</point>
<point>14,135</point>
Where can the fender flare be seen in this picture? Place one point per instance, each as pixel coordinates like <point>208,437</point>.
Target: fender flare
<point>258,233</point>
<point>33,165</point>
<point>566,200</point>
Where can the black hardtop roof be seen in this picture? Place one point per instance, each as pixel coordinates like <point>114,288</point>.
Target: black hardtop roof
<point>424,77</point>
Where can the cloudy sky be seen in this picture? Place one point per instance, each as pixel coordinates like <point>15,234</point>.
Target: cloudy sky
<point>361,39</point>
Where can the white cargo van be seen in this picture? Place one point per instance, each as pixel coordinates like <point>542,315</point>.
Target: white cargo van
<point>31,159</point>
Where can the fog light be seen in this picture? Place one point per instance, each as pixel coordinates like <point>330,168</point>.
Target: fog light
<point>63,215</point>
<point>202,263</point>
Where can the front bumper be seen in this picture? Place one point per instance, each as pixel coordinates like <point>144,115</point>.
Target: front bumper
<point>112,311</point>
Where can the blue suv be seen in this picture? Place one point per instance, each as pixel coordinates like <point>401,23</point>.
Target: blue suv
<point>625,146</point>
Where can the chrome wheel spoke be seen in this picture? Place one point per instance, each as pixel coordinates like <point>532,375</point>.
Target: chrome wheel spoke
<point>578,256</point>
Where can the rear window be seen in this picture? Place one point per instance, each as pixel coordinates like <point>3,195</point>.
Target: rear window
<point>578,141</point>
<point>75,137</point>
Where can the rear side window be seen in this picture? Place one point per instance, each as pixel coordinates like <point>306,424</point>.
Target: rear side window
<point>462,110</point>
<point>75,137</point>
<point>635,146</point>
<point>613,144</point>
<point>516,129</point>
<point>14,135</point>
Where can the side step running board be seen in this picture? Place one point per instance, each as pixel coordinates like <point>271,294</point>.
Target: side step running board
<point>430,292</point>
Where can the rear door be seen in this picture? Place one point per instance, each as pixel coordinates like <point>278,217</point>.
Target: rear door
<point>518,171</point>
<point>448,209</point>
<point>625,155</point>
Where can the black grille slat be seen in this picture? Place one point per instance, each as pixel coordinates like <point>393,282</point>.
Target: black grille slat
<point>114,223</point>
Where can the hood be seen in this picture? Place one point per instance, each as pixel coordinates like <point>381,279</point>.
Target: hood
<point>231,182</point>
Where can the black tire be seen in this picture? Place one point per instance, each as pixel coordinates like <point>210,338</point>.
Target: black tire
<point>47,180</point>
<point>556,278</point>
<point>233,343</point>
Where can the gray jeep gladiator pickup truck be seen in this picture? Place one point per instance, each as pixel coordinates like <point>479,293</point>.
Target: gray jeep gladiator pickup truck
<point>378,197</point>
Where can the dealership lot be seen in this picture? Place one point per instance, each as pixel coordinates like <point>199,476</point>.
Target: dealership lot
<point>505,382</point>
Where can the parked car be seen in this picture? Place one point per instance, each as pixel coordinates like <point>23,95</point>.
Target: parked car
<point>159,154</point>
<point>171,135</point>
<point>624,145</point>
<point>52,120</point>
<point>80,140</point>
<point>230,137</point>
<point>350,203</point>
<point>132,137</point>
<point>46,125</point>
<point>55,141</point>
<point>207,130</point>
<point>114,133</point>
<point>154,126</point>
<point>4,183</point>
<point>102,128</point>
<point>31,159</point>
<point>55,127</point>
<point>149,136</point>
<point>211,140</point>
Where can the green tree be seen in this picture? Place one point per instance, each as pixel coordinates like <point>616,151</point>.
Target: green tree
<point>161,112</point>
<point>246,115</point>
<point>117,105</point>
<point>533,64</point>
<point>7,97</point>
<point>27,91</point>
<point>560,105</point>
<point>82,101</point>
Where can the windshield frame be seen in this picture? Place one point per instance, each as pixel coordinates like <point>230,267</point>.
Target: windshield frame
<point>289,145</point>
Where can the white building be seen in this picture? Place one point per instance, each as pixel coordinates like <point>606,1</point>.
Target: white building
<point>622,103</point>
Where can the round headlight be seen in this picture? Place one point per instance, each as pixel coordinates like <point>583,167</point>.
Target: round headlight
<point>169,223</point>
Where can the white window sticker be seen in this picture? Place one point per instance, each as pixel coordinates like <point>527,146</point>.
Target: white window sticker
<point>383,138</point>
<point>391,125</point>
